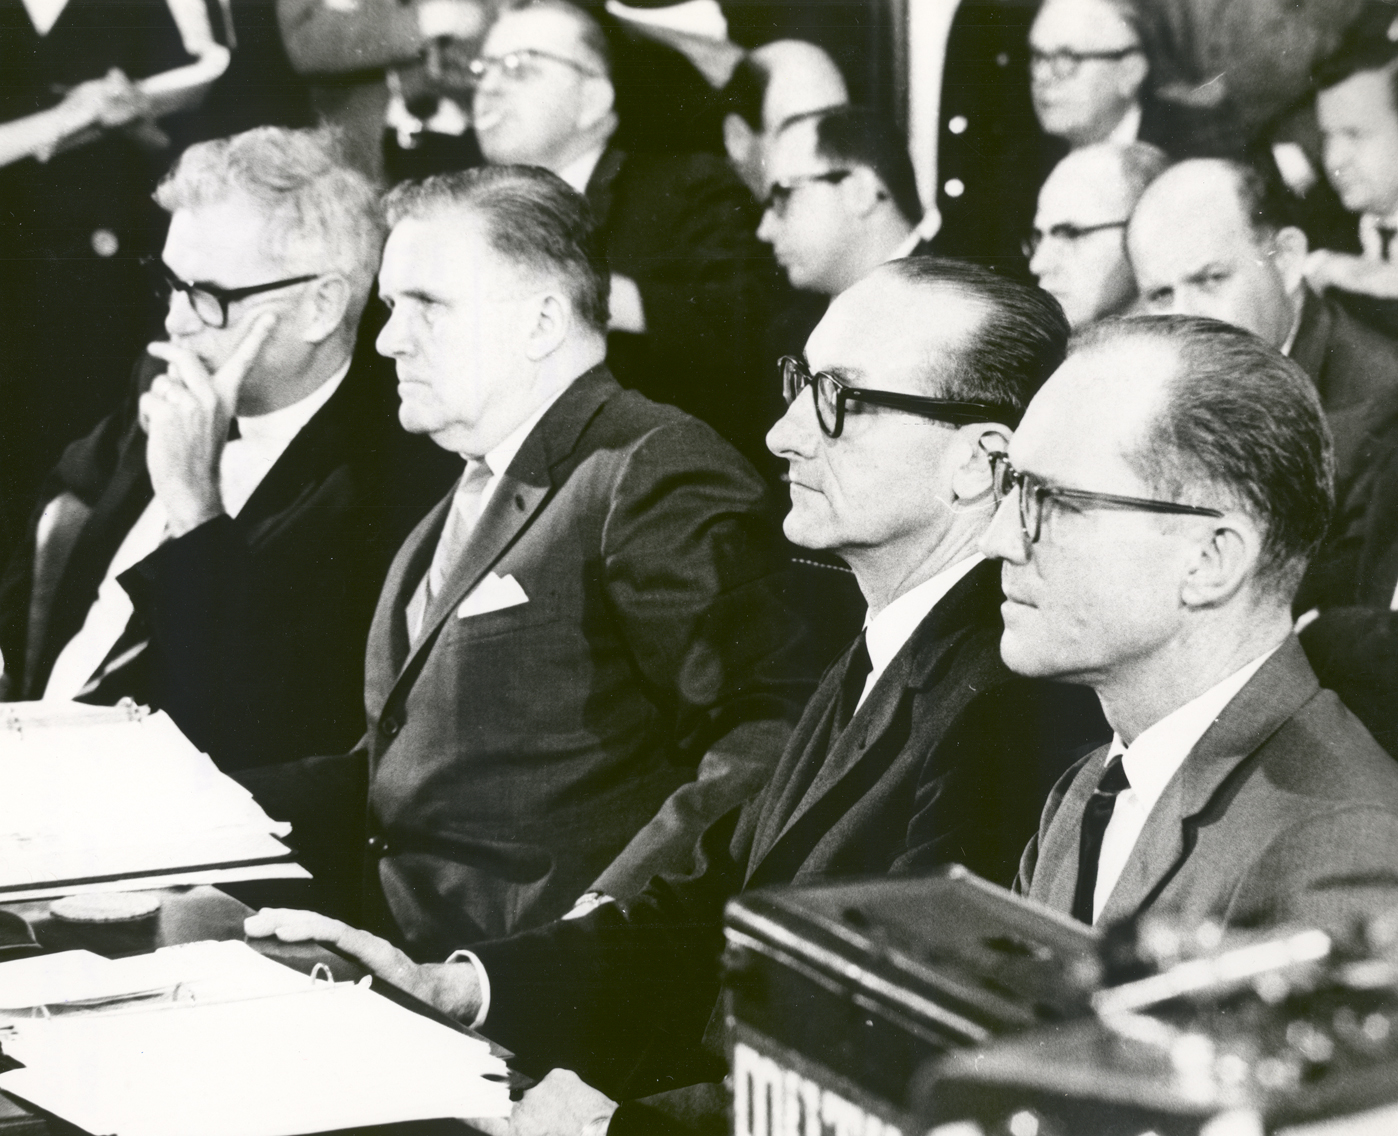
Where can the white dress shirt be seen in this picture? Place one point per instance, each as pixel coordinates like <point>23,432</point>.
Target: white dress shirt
<point>245,462</point>
<point>885,634</point>
<point>1128,130</point>
<point>1371,241</point>
<point>578,172</point>
<point>1150,762</point>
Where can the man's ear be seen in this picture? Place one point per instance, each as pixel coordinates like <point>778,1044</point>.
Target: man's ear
<point>1134,70</point>
<point>550,316</point>
<point>597,100</point>
<point>970,479</point>
<point>862,191</point>
<point>324,307</point>
<point>1291,249</point>
<point>738,140</point>
<point>1224,559</point>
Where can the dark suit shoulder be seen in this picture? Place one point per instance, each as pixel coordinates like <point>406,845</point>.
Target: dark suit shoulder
<point>1360,364</point>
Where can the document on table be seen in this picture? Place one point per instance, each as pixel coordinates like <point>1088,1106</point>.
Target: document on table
<point>255,1053</point>
<point>91,797</point>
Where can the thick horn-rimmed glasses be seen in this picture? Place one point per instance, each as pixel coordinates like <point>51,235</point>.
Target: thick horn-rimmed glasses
<point>1034,493</point>
<point>831,395</point>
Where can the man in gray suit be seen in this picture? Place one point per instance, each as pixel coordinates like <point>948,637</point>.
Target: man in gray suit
<point>1159,504</point>
<point>581,656</point>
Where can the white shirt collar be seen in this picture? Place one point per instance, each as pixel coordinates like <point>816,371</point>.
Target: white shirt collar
<point>1157,754</point>
<point>44,13</point>
<point>887,632</point>
<point>1129,128</point>
<point>1369,239</point>
<point>578,172</point>
<point>498,459</point>
<point>279,427</point>
<point>905,248</point>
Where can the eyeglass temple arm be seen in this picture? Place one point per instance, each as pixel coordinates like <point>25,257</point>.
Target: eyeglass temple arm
<point>1143,503</point>
<point>971,412</point>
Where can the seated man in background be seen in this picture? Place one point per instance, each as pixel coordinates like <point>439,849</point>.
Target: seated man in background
<point>690,284</point>
<point>918,748</point>
<point>1214,238</point>
<point>1077,250</point>
<point>214,547</point>
<point>771,85</point>
<point>580,658</point>
<point>1160,502</point>
<point>1356,106</point>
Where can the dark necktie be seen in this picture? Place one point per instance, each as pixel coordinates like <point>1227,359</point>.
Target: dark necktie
<point>233,432</point>
<point>852,685</point>
<point>1094,827</point>
<point>1386,235</point>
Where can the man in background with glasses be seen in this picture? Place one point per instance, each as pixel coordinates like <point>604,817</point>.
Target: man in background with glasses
<point>918,748</point>
<point>1158,507</point>
<point>690,286</point>
<point>215,547</point>
<point>1077,249</point>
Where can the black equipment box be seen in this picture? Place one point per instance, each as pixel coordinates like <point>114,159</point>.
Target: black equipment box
<point>836,995</point>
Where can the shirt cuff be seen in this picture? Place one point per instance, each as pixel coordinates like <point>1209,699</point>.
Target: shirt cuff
<point>482,979</point>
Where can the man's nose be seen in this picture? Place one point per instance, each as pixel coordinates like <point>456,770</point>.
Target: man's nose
<point>392,339</point>
<point>796,432</point>
<point>180,317</point>
<point>1004,539</point>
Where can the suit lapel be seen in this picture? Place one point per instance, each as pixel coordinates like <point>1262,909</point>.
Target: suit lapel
<point>914,668</point>
<point>1283,684</point>
<point>599,185</point>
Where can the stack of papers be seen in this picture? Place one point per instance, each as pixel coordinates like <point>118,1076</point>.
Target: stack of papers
<point>248,1047</point>
<point>93,800</point>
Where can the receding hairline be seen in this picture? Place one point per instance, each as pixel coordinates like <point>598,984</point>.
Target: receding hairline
<point>583,26</point>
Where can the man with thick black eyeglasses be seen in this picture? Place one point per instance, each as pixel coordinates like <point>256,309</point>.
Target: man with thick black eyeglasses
<point>919,746</point>
<point>215,547</point>
<point>1157,509</point>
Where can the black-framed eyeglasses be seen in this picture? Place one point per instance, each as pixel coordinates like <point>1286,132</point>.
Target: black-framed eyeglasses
<point>1063,63</point>
<point>209,301</point>
<point>831,395</point>
<point>1034,492</point>
<point>1065,231</point>
<point>519,64</point>
<point>779,196</point>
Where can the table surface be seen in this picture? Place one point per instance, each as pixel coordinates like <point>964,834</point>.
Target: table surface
<point>191,915</point>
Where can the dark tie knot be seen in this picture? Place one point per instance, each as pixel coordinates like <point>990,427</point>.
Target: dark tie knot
<point>1113,778</point>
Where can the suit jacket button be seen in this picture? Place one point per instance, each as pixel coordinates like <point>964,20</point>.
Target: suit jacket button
<point>378,846</point>
<point>390,726</point>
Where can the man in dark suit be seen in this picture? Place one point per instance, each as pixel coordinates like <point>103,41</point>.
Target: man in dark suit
<point>1159,504</point>
<point>1214,238</point>
<point>580,657</point>
<point>231,582</point>
<point>919,746</point>
<point>690,283</point>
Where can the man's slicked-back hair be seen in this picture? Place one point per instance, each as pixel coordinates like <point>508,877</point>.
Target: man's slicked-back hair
<point>532,218</point>
<point>1021,340</point>
<point>857,136</point>
<point>1241,425</point>
<point>1141,164</point>
<point>321,213</point>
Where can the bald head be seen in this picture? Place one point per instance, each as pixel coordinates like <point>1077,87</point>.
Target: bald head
<point>1079,253</point>
<point>773,84</point>
<point>1206,240</point>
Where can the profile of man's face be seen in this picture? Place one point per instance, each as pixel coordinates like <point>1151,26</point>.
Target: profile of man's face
<point>1195,254</point>
<point>1083,101</point>
<point>805,221</point>
<point>1360,129</point>
<point>454,330</point>
<point>1100,588</point>
<point>1081,265</point>
<point>530,116</point>
<point>884,483</point>
<point>223,243</point>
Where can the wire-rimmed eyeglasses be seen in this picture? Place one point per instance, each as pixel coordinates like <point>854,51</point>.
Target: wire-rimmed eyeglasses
<point>1034,492</point>
<point>1065,231</point>
<point>779,195</point>
<point>519,64</point>
<point>831,395</point>
<point>208,301</point>
<point>1063,63</point>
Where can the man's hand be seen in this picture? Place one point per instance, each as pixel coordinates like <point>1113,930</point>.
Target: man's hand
<point>562,1104</point>
<point>185,415</point>
<point>450,987</point>
<point>1327,269</point>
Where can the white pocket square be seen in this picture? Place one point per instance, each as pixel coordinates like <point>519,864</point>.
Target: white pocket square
<point>492,594</point>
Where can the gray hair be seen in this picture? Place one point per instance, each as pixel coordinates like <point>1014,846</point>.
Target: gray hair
<point>533,218</point>
<point>321,214</point>
<point>1239,419</point>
